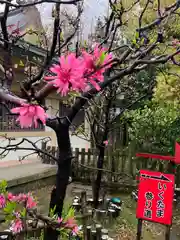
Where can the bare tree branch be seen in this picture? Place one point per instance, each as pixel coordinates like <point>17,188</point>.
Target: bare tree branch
<point>18,5</point>
<point>17,146</point>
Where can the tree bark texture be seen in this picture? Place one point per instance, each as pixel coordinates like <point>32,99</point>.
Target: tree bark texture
<point>97,183</point>
<point>61,128</point>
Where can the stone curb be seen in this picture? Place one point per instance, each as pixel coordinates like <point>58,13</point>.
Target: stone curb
<point>31,178</point>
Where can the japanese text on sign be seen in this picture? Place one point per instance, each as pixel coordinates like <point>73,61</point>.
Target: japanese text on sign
<point>160,206</point>
<point>155,197</point>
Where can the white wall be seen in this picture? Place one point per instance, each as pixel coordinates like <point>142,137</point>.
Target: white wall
<point>77,142</point>
<point>16,155</point>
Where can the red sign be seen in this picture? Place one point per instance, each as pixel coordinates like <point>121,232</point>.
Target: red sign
<point>155,197</point>
<point>177,153</point>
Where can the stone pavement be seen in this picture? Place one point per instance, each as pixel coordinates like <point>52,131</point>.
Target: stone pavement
<point>12,170</point>
<point>16,162</point>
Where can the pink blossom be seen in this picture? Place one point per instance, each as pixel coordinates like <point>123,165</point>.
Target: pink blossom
<point>69,74</point>
<point>105,142</point>
<point>94,65</point>
<point>29,114</point>
<point>21,197</point>
<point>75,230</point>
<point>70,223</point>
<point>11,197</point>
<point>2,201</point>
<point>59,220</point>
<point>30,202</point>
<point>17,226</point>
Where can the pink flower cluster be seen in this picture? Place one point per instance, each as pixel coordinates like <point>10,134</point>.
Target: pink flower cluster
<point>22,198</point>
<point>26,200</point>
<point>70,223</point>
<point>29,114</point>
<point>95,65</point>
<point>74,73</point>
<point>17,226</point>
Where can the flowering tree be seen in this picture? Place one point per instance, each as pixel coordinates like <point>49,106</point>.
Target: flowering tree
<point>85,72</point>
<point>20,212</point>
<point>103,115</point>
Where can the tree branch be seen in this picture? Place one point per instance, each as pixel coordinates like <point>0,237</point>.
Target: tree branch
<point>17,146</point>
<point>128,70</point>
<point>157,21</point>
<point>18,5</point>
<point>50,54</point>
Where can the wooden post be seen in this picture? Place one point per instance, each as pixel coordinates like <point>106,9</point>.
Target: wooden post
<point>76,161</point>
<point>104,237</point>
<point>89,153</point>
<point>139,229</point>
<point>42,155</point>
<point>98,231</point>
<point>104,234</point>
<point>83,173</point>
<point>53,152</point>
<point>88,231</point>
<point>104,231</point>
<point>84,213</point>
<point>90,213</point>
<point>168,231</point>
<point>111,215</point>
<point>93,233</point>
<point>48,159</point>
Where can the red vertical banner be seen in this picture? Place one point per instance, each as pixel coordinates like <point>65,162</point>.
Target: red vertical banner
<point>155,197</point>
<point>177,153</point>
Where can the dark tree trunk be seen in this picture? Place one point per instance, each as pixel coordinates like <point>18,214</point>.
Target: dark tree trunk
<point>61,128</point>
<point>6,51</point>
<point>97,183</point>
